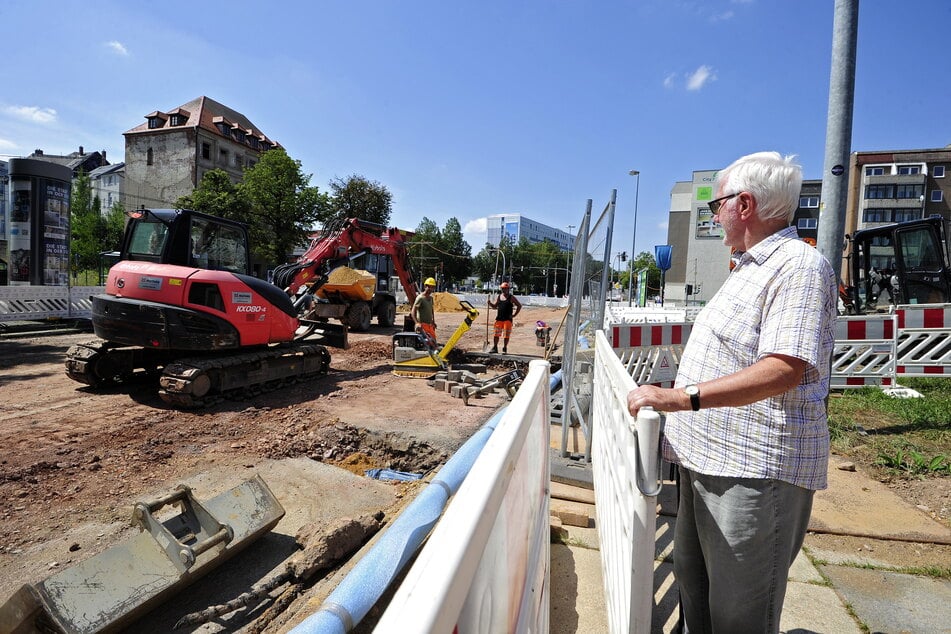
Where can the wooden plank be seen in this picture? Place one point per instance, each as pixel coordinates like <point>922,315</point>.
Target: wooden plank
<point>563,491</point>
<point>572,513</point>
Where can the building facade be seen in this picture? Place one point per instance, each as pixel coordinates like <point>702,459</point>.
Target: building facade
<point>77,162</point>
<point>895,186</point>
<point>167,155</point>
<point>516,226</point>
<point>106,183</point>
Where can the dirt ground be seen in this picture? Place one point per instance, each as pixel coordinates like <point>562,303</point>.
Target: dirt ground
<point>73,456</point>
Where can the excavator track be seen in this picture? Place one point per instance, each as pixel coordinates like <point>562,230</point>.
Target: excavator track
<point>203,381</point>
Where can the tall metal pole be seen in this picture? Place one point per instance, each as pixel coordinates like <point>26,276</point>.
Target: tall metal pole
<point>835,172</point>
<point>568,258</point>
<point>630,281</point>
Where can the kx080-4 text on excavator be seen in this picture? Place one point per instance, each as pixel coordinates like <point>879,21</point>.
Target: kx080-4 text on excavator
<point>181,301</point>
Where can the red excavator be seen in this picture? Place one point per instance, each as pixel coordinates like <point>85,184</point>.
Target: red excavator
<point>181,301</point>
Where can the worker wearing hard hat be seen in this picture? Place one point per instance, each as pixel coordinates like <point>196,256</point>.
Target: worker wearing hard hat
<point>508,307</point>
<point>424,314</point>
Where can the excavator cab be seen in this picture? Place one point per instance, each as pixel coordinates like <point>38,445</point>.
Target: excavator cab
<point>186,238</point>
<point>901,263</point>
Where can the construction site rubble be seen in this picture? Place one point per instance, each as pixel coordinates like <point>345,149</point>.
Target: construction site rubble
<point>466,384</point>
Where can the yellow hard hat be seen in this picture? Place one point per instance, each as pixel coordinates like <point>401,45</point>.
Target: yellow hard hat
<point>430,282</point>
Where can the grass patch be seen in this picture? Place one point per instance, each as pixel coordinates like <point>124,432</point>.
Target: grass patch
<point>904,437</point>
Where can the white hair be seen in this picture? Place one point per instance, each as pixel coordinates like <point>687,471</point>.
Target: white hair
<point>773,180</point>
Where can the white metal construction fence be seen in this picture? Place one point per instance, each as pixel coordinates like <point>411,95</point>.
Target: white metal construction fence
<point>626,466</point>
<point>21,303</point>
<point>485,567</point>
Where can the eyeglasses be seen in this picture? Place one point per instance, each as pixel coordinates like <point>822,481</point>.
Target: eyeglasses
<point>716,203</point>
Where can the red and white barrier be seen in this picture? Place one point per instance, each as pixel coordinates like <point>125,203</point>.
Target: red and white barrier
<point>923,345</point>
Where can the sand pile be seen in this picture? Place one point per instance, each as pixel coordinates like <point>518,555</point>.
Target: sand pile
<point>345,276</point>
<point>446,303</point>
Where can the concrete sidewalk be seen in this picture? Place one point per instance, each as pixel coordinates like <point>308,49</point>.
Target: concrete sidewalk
<point>831,590</point>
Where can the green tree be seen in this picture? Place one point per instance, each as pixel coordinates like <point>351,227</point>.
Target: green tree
<point>358,197</point>
<point>441,253</point>
<point>282,206</point>
<point>645,260</point>
<point>87,226</point>
<point>218,196</point>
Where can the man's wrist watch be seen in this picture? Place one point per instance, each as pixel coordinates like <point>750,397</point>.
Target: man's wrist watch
<point>694,393</point>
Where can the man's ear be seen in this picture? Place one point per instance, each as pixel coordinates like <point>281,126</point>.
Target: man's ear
<point>746,205</point>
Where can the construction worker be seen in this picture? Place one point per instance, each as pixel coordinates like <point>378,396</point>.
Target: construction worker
<point>423,312</point>
<point>505,304</point>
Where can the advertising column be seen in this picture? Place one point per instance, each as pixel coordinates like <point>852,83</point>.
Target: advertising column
<point>39,223</point>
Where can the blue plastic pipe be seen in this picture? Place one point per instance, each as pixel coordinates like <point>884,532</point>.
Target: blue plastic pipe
<point>371,576</point>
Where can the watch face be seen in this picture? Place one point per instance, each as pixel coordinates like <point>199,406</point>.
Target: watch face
<point>691,390</point>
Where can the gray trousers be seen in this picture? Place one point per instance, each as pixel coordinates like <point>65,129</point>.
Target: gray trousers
<point>734,542</point>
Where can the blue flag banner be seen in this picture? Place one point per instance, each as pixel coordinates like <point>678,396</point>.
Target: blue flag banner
<point>662,254</point>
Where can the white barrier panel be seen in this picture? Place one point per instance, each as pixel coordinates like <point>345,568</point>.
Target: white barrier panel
<point>486,566</point>
<point>626,465</point>
<point>864,352</point>
<point>20,303</point>
<point>621,314</point>
<point>923,347</point>
<point>650,352</point>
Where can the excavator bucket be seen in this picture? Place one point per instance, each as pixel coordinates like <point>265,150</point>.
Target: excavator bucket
<point>323,332</point>
<point>112,589</point>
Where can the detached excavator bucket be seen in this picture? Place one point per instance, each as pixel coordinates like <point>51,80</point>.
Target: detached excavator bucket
<point>324,332</point>
<point>112,589</point>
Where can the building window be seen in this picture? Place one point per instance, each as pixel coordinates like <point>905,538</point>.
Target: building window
<point>156,122</point>
<point>177,119</point>
<point>904,215</point>
<point>906,170</point>
<point>938,171</point>
<point>876,215</point>
<point>808,223</point>
<point>875,171</point>
<point>223,156</point>
<point>206,150</point>
<point>809,202</point>
<point>148,156</point>
<point>909,191</point>
<point>874,192</point>
<point>937,195</point>
<point>224,128</point>
<point>237,160</point>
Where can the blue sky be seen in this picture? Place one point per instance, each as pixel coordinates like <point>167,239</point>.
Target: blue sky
<point>467,109</point>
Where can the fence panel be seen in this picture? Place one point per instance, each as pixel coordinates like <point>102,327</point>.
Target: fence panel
<point>486,566</point>
<point>626,468</point>
<point>864,352</point>
<point>923,347</point>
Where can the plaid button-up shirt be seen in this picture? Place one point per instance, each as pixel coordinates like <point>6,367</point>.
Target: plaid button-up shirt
<point>780,299</point>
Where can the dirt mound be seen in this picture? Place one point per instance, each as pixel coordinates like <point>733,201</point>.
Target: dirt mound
<point>370,351</point>
<point>345,275</point>
<point>446,303</point>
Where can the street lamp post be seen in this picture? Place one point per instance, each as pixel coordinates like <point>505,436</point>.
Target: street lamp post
<point>630,286</point>
<point>568,258</point>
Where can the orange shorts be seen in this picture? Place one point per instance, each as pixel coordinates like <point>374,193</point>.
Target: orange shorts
<point>503,329</point>
<point>430,331</point>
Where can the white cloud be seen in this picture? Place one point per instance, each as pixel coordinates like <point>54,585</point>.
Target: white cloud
<point>699,78</point>
<point>722,17</point>
<point>670,80</point>
<point>33,114</point>
<point>118,48</point>
<point>7,145</point>
<point>476,233</point>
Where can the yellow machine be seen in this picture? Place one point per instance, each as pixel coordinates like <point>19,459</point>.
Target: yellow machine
<point>413,356</point>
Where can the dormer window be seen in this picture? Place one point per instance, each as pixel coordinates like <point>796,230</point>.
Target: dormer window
<point>223,125</point>
<point>238,134</point>
<point>177,119</point>
<point>156,119</point>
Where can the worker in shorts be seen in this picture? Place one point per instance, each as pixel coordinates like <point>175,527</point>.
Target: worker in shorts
<point>424,313</point>
<point>508,308</point>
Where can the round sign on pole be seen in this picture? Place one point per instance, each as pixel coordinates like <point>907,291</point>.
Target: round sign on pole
<point>838,170</point>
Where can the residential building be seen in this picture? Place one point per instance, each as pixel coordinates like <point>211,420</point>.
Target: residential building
<point>167,155</point>
<point>897,185</point>
<point>75,161</point>
<point>106,183</point>
<point>516,226</point>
